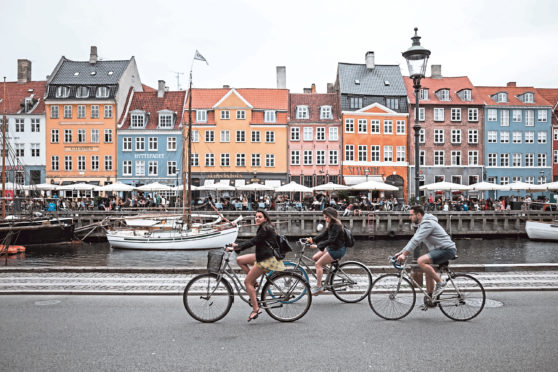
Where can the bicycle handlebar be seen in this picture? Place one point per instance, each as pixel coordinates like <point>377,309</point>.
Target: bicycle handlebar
<point>393,261</point>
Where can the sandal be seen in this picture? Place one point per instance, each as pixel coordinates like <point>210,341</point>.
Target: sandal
<point>254,314</point>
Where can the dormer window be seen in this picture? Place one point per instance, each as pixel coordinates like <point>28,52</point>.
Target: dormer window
<point>325,113</point>
<point>502,97</point>
<point>102,92</point>
<point>62,92</point>
<point>423,94</point>
<point>465,95</point>
<point>528,98</point>
<point>82,92</point>
<point>443,94</point>
<point>137,119</point>
<point>201,116</point>
<point>165,119</point>
<point>270,116</point>
<point>302,112</point>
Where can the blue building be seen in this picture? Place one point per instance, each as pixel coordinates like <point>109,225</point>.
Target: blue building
<point>517,136</point>
<point>150,137</point>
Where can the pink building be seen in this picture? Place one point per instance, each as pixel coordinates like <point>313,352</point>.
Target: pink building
<point>314,144</point>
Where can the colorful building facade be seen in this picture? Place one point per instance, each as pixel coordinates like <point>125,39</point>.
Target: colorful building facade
<point>551,95</point>
<point>314,144</point>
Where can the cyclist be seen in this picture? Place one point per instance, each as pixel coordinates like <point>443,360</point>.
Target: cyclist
<point>263,260</point>
<point>440,247</point>
<point>331,243</point>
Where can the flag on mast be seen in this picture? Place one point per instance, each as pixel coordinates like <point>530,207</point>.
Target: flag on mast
<point>199,57</point>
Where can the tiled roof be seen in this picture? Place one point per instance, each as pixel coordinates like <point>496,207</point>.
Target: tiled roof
<point>314,101</point>
<point>150,103</point>
<point>372,82</point>
<point>16,94</point>
<point>513,92</point>
<point>551,95</point>
<point>454,84</point>
<point>271,99</point>
<point>147,88</point>
<point>89,74</point>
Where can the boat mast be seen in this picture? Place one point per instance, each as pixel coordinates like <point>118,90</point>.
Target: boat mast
<point>189,193</point>
<point>4,122</point>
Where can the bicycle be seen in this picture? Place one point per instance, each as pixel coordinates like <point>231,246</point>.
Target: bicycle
<point>349,281</point>
<point>393,296</point>
<point>208,297</point>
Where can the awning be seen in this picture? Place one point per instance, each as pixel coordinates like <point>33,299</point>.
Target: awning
<point>273,183</point>
<point>354,180</point>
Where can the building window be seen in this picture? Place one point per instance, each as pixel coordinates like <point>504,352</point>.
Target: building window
<point>541,180</point>
<point>388,126</point>
<point>67,112</point>
<point>108,135</point>
<point>240,160</point>
<point>81,112</point>
<point>529,160</point>
<point>466,95</point>
<point>165,121</point>
<point>137,121</point>
<point>349,152</point>
<point>153,144</point>
<point>320,157</point>
<point>400,154</point>
<point>374,127</point>
<point>94,135</point>
<point>54,163</point>
<point>108,162</point>
<point>473,158</point>
<point>67,136</point>
<point>528,98</point>
<point>302,112</point>
<point>209,160</point>
<point>225,160</point>
<point>102,92</point>
<point>81,163</point>
<point>140,168</point>
<point>255,160</point>
<point>455,114</point>
<point>256,136</point>
<point>388,153</point>
<point>201,116</point>
<point>171,168</point>
<point>362,125</point>
<point>400,127</point>
<point>81,136</point>
<point>555,156</point>
<point>516,116</point>
<point>209,136</point>
<point>320,134</point>
<point>308,134</point>
<point>542,116</point>
<point>456,158</point>
<point>492,136</point>
<point>504,180</point>
<point>473,114</point>
<point>126,143</point>
<point>333,133</point>
<point>225,115</point>
<point>95,162</point>
<point>152,168</point>
<point>269,136</point>
<point>35,150</point>
<point>68,163</point>
<point>20,150</point>
<point>529,118</point>
<point>505,118</point>
<point>241,136</point>
<point>94,111</point>
<point>374,153</point>
<point>19,125</point>
<point>439,157</point>
<point>195,160</point>
<point>225,136</point>
<point>62,92</point>
<point>362,152</point>
<point>240,115</point>
<point>422,135</point>
<point>295,134</point>
<point>504,137</point>
<point>171,143</point>
<point>355,102</point>
<point>516,137</point>
<point>492,158</point>
<point>541,137</point>
<point>529,137</point>
<point>541,160</point>
<point>35,125</point>
<point>502,97</point>
<point>270,116</point>
<point>295,157</point>
<point>127,168</point>
<point>473,137</point>
<point>392,103</point>
<point>438,136</point>
<point>516,160</point>
<point>443,95</point>
<point>195,136</point>
<point>349,125</point>
<point>492,115</point>
<point>422,157</point>
<point>456,136</point>
<point>333,157</point>
<point>438,114</point>
<point>108,111</point>
<point>325,113</point>
<point>307,157</point>
<point>54,112</point>
<point>423,94</point>
<point>140,144</point>
<point>504,160</point>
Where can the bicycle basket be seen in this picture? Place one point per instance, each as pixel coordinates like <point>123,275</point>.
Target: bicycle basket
<point>214,260</point>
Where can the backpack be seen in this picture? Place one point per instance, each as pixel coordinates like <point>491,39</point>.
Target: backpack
<point>349,239</point>
<point>282,247</point>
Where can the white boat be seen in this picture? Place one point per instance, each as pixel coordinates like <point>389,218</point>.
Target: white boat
<point>162,234</point>
<point>542,230</point>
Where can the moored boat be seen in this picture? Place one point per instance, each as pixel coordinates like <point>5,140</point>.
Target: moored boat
<point>542,230</point>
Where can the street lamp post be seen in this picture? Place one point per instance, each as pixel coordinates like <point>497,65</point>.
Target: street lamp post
<point>417,58</point>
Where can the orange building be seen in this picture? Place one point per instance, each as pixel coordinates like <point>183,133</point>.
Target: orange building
<point>83,102</point>
<point>375,146</point>
<point>240,135</point>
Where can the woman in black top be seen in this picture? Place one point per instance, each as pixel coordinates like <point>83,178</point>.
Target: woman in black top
<point>331,243</point>
<point>262,261</point>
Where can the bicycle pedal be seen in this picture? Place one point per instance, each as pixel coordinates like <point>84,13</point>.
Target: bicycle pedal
<point>423,307</point>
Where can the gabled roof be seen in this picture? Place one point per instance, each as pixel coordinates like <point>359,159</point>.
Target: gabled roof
<point>454,84</point>
<point>16,94</point>
<point>551,95</point>
<point>260,99</point>
<point>85,73</point>
<point>231,92</point>
<point>486,94</point>
<point>151,104</point>
<point>376,108</point>
<point>382,80</point>
<point>314,101</point>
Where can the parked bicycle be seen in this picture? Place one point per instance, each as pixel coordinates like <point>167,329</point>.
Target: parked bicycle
<point>349,281</point>
<point>208,297</point>
<point>393,296</point>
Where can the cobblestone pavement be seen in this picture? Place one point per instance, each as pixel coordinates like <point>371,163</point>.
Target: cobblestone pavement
<point>173,284</point>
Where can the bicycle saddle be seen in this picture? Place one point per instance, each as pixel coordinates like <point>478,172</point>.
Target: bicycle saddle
<point>445,264</point>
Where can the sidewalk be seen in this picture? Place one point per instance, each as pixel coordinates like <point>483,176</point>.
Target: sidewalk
<point>153,281</point>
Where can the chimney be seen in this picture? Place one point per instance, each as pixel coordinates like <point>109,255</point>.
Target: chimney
<point>161,89</point>
<point>330,88</point>
<point>93,55</point>
<point>436,71</point>
<point>369,59</point>
<point>281,77</point>
<point>23,71</point>
<point>512,84</point>
<point>313,88</point>
<point>226,86</point>
<point>307,90</point>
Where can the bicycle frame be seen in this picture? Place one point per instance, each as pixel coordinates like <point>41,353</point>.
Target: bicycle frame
<point>304,261</point>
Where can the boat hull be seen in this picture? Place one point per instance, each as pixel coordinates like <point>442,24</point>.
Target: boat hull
<point>541,230</point>
<point>37,233</point>
<point>171,240</point>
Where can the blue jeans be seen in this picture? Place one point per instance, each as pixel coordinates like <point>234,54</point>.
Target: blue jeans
<point>337,254</point>
<point>439,256</point>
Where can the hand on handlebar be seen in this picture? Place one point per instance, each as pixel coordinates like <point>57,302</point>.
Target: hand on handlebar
<point>231,247</point>
<point>400,257</point>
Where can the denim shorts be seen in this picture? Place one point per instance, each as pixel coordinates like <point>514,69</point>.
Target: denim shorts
<point>337,254</point>
<point>439,256</point>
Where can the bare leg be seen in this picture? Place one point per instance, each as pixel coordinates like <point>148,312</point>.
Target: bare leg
<point>253,275</point>
<point>425,263</point>
<point>324,260</point>
<point>245,261</point>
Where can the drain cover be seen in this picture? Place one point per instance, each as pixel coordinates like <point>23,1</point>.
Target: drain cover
<point>47,302</point>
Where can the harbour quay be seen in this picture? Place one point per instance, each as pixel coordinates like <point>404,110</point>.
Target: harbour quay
<point>392,224</point>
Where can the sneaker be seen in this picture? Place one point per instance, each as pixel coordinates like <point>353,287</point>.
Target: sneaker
<point>439,288</point>
<point>316,290</point>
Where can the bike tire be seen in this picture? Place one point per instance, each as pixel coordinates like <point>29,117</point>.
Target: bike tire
<point>207,298</point>
<point>463,298</point>
<point>392,297</point>
<point>351,282</point>
<point>278,293</point>
<point>291,266</point>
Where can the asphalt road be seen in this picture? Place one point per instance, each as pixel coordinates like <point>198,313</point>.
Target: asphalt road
<point>146,333</point>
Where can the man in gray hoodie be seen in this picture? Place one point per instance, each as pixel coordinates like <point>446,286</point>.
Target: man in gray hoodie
<point>440,247</point>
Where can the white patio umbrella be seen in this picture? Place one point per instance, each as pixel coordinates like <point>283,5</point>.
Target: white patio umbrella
<point>115,187</point>
<point>217,187</point>
<point>373,185</point>
<point>77,187</point>
<point>552,186</point>
<point>11,186</point>
<point>42,186</point>
<point>330,186</point>
<point>486,186</point>
<point>181,187</point>
<point>293,187</point>
<point>255,187</point>
<point>518,185</point>
<point>445,186</point>
<point>155,186</point>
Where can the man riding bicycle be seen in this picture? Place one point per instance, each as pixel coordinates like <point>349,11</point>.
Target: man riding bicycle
<point>440,247</point>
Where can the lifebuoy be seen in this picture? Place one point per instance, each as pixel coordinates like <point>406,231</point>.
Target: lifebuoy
<point>11,249</point>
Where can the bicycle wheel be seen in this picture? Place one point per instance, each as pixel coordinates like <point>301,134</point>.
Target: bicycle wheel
<point>463,298</point>
<point>286,296</point>
<point>392,297</point>
<point>291,267</point>
<point>208,299</point>
<point>351,282</point>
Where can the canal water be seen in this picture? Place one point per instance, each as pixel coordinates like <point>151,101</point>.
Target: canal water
<point>371,252</point>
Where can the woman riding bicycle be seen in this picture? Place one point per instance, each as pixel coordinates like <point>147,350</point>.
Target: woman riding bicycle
<point>331,243</point>
<point>262,261</point>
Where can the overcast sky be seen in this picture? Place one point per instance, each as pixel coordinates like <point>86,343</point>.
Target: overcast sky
<point>492,42</point>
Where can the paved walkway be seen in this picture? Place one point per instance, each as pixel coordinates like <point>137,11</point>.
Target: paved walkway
<point>120,283</point>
